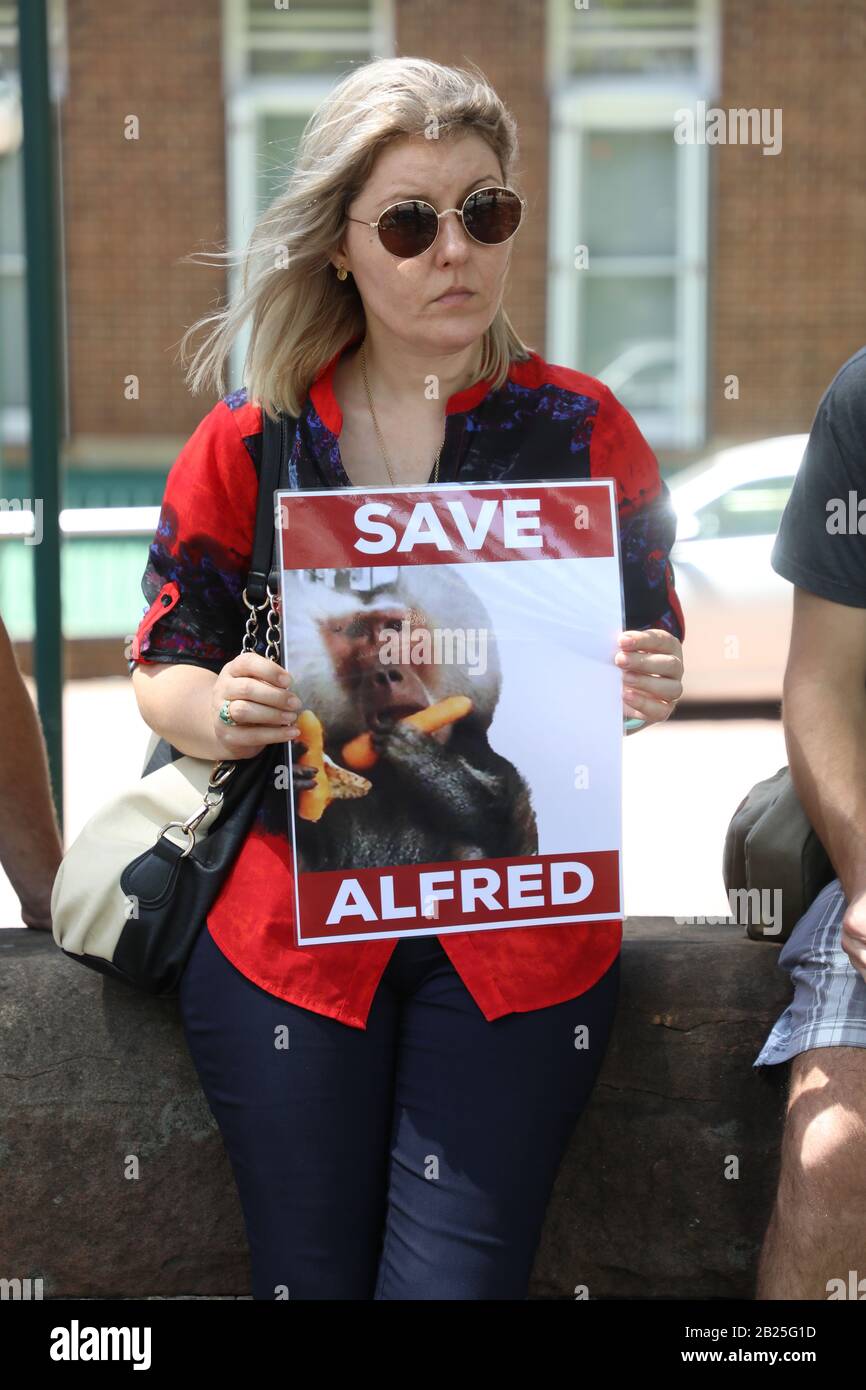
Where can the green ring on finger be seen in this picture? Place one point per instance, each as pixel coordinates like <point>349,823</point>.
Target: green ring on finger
<point>225,713</point>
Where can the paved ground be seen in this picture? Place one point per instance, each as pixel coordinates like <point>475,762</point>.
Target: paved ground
<point>682,782</point>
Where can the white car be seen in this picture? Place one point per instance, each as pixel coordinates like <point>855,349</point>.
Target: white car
<point>737,608</point>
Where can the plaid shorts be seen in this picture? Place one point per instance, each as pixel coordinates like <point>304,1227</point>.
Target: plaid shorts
<point>829,1004</point>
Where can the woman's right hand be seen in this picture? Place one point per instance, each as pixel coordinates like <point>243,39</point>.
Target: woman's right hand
<point>262,704</point>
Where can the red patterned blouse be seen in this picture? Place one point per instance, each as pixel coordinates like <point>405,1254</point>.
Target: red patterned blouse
<point>545,421</point>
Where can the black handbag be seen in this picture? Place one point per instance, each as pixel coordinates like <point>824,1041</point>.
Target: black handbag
<point>136,916</point>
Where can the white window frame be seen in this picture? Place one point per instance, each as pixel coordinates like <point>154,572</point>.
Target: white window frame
<point>633,103</point>
<point>249,97</point>
<point>658,28</point>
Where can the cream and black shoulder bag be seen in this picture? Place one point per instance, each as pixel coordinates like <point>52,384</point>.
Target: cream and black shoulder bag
<point>133,890</point>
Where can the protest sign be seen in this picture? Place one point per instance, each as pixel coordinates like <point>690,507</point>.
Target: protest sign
<point>462,732</point>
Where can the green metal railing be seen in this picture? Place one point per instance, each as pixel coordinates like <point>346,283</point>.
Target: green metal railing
<point>43,362</point>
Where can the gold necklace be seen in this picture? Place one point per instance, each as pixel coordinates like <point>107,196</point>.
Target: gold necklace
<point>376,423</point>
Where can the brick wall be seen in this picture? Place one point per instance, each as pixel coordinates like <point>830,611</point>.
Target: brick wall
<point>788,267</point>
<point>133,208</point>
<point>787,292</point>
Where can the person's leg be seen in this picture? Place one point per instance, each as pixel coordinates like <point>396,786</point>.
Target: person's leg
<point>304,1104</point>
<point>817,1230</point>
<point>483,1113</point>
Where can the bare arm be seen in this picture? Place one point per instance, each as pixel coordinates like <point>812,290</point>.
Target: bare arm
<point>175,700</point>
<point>30,844</point>
<point>824,714</point>
<point>181,703</point>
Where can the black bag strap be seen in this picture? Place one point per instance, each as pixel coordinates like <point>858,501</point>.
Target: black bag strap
<point>273,473</point>
<point>277,438</point>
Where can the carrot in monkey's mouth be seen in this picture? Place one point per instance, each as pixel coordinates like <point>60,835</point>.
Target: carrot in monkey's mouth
<point>359,752</point>
<point>382,718</point>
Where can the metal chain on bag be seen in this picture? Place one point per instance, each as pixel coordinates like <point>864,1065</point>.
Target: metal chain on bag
<point>272,642</point>
<point>224,767</point>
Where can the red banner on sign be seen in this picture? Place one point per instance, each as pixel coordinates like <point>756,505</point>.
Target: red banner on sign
<point>531,890</point>
<point>446,526</point>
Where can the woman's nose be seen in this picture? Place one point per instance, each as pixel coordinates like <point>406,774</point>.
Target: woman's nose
<point>452,234</point>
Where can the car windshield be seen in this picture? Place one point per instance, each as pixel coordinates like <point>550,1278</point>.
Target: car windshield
<point>752,509</point>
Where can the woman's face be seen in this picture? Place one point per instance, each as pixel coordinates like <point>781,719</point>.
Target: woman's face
<point>402,294</point>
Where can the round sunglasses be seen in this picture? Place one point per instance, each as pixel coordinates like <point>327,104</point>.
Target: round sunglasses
<point>491,216</point>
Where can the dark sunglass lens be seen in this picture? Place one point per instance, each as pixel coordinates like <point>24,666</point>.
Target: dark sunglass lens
<point>408,228</point>
<point>493,215</point>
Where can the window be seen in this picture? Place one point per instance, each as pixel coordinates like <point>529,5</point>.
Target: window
<point>627,275</point>
<point>282,38</point>
<point>279,64</point>
<point>631,37</point>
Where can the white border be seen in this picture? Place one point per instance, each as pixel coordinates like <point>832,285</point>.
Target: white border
<point>439,489</point>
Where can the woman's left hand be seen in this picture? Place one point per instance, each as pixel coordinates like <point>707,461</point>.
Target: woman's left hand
<point>651,662</point>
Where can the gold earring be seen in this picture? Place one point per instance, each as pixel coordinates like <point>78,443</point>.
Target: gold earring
<point>342,273</point>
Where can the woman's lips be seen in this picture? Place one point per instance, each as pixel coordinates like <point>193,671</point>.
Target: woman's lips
<point>461,298</point>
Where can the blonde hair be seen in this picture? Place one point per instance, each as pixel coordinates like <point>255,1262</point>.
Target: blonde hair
<point>301,313</point>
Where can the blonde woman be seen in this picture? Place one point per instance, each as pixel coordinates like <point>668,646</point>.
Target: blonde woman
<point>405,1143</point>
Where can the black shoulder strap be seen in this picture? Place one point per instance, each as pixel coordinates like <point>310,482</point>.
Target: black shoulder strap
<point>277,437</point>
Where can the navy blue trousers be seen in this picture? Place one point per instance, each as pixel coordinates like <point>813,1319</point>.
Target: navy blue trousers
<point>413,1160</point>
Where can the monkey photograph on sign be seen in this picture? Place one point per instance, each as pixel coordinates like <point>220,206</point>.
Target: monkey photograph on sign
<point>402,679</point>
<point>436,784</point>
